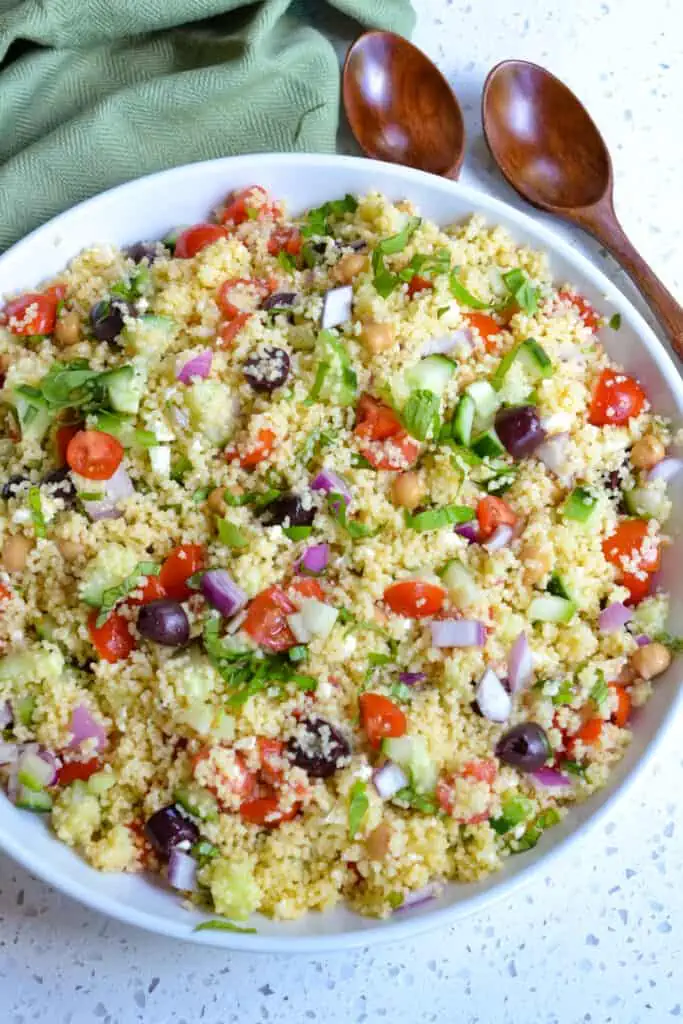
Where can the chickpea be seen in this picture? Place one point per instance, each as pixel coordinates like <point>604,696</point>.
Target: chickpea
<point>69,550</point>
<point>377,843</point>
<point>377,336</point>
<point>67,330</point>
<point>651,660</point>
<point>15,553</point>
<point>537,561</point>
<point>216,501</point>
<point>349,266</point>
<point>647,452</point>
<point>407,490</point>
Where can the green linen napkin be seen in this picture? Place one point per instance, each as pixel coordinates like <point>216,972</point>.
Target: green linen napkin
<point>96,92</point>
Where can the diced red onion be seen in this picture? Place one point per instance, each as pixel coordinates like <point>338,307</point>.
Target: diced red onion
<point>470,531</point>
<point>500,538</point>
<point>457,633</point>
<point>12,784</point>
<point>116,488</point>
<point>461,340</point>
<point>9,753</point>
<point>389,779</point>
<point>520,663</point>
<point>221,591</point>
<point>329,481</point>
<point>54,763</point>
<point>643,640</point>
<point>666,469</point>
<point>411,678</point>
<point>337,306</point>
<point>84,727</point>
<point>6,716</point>
<point>182,871</point>
<point>419,896</point>
<point>551,777</point>
<point>613,617</point>
<point>553,452</point>
<point>198,366</point>
<point>492,698</point>
<point>315,558</point>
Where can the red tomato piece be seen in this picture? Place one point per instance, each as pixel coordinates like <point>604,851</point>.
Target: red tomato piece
<point>193,240</point>
<point>307,587</point>
<point>241,782</point>
<point>113,641</point>
<point>483,771</point>
<point>487,329</point>
<point>418,284</point>
<point>246,204</point>
<point>398,453</point>
<point>266,620</point>
<point>266,811</point>
<point>380,717</point>
<point>94,454</point>
<point>375,420</point>
<point>231,328</point>
<point>271,753</point>
<point>240,295</point>
<point>5,595</point>
<point>33,313</point>
<point>636,555</point>
<point>63,436</point>
<point>622,713</point>
<point>414,599</point>
<point>260,451</point>
<point>617,398</point>
<point>77,771</point>
<point>285,239</point>
<point>493,512</point>
<point>590,318</point>
<point>183,561</point>
<point>153,590</point>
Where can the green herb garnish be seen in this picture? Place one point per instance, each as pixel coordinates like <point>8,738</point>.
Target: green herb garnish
<point>463,296</point>
<point>565,693</point>
<point>600,691</point>
<point>354,529</point>
<point>436,518</point>
<point>179,468</point>
<point>418,801</point>
<point>421,414</point>
<point>112,596</point>
<point>36,507</point>
<point>318,220</point>
<point>230,534</point>
<point>358,807</point>
<point>674,643</point>
<point>286,260</point>
<point>384,281</point>
<point>396,243</point>
<point>297,532</point>
<point>615,321</point>
<point>522,290</point>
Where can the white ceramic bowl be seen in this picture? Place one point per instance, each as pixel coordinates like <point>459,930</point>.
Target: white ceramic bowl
<point>146,209</point>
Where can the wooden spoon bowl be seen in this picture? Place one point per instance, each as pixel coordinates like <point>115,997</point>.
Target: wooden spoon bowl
<point>551,152</point>
<point>400,107</point>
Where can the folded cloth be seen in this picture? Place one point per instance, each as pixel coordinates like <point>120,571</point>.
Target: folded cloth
<point>96,92</point>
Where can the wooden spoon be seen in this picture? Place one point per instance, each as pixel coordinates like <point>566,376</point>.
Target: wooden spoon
<point>400,107</point>
<point>552,153</point>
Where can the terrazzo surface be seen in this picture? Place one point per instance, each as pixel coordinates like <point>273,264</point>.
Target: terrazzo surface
<point>597,939</point>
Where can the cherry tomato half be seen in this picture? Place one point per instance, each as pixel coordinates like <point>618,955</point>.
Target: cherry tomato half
<point>193,240</point>
<point>244,204</point>
<point>487,329</point>
<point>239,295</point>
<point>617,398</point>
<point>622,713</point>
<point>33,313</point>
<point>285,239</point>
<point>493,512</point>
<point>113,641</point>
<point>183,562</point>
<point>153,590</point>
<point>266,811</point>
<point>418,284</point>
<point>77,771</point>
<point>257,453</point>
<point>380,717</point>
<point>590,318</point>
<point>266,620</point>
<point>375,420</point>
<point>414,599</point>
<point>633,550</point>
<point>231,328</point>
<point>94,454</point>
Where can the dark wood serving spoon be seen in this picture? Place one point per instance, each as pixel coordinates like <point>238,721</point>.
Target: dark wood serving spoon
<point>551,152</point>
<point>400,107</point>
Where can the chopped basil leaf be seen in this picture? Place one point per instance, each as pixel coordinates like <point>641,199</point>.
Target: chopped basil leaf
<point>133,287</point>
<point>90,495</point>
<point>297,532</point>
<point>421,415</point>
<point>179,468</point>
<point>215,925</point>
<point>360,462</point>
<point>376,658</point>
<point>600,691</point>
<point>574,768</point>
<point>338,511</point>
<point>384,281</point>
<point>436,518</point>
<point>396,243</point>
<point>358,807</point>
<point>36,507</point>
<point>463,296</point>
<point>318,220</point>
<point>321,373</point>
<point>674,643</point>
<point>565,693</point>
<point>546,819</point>
<point>230,534</point>
<point>522,290</point>
<point>112,596</point>
<point>201,494</point>
<point>417,801</point>
<point>395,900</point>
<point>286,260</point>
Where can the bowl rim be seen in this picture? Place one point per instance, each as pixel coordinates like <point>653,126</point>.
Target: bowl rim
<point>396,928</point>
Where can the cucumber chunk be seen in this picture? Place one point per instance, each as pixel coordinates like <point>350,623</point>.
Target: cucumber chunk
<point>431,374</point>
<point>551,608</point>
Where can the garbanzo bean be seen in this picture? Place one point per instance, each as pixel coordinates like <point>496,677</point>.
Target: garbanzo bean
<point>349,266</point>
<point>15,553</point>
<point>407,490</point>
<point>377,843</point>
<point>537,561</point>
<point>651,660</point>
<point>67,330</point>
<point>216,501</point>
<point>647,452</point>
<point>69,550</point>
<point>377,336</point>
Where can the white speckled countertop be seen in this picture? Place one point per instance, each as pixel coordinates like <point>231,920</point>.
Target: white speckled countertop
<point>600,938</point>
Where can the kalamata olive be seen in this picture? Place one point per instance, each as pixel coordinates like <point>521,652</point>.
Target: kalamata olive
<point>169,828</point>
<point>279,300</point>
<point>267,369</point>
<point>106,318</point>
<point>61,485</point>
<point>11,486</point>
<point>318,747</point>
<point>519,429</point>
<point>525,746</point>
<point>143,251</point>
<point>165,622</point>
<point>288,510</point>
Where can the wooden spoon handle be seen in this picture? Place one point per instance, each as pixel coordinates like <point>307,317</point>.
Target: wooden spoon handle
<point>602,222</point>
